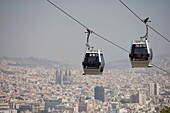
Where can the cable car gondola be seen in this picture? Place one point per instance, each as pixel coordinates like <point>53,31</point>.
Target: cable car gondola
<point>93,63</point>
<point>141,53</point>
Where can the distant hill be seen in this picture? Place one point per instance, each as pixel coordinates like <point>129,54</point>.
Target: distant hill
<point>121,64</point>
<point>162,61</point>
<point>31,62</point>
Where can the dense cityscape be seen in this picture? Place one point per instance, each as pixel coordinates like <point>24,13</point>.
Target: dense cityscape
<point>31,85</point>
<point>52,56</point>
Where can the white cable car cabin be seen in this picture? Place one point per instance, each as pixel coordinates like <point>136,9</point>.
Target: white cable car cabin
<point>140,54</point>
<point>93,63</point>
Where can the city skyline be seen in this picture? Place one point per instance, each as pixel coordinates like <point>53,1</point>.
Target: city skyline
<point>43,88</point>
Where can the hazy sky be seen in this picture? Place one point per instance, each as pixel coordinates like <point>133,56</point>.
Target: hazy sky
<point>36,28</point>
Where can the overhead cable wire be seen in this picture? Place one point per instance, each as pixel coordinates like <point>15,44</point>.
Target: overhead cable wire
<point>95,32</point>
<point>87,27</point>
<point>161,68</point>
<point>131,11</point>
<point>111,42</point>
<point>143,21</point>
<point>159,33</point>
<point>67,14</point>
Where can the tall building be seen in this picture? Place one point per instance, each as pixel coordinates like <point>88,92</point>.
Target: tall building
<point>70,76</point>
<point>63,78</point>
<point>134,98</point>
<point>59,78</point>
<point>67,77</point>
<point>99,93</point>
<point>153,88</point>
<point>56,77</point>
<point>82,106</point>
<point>140,98</point>
<point>156,88</point>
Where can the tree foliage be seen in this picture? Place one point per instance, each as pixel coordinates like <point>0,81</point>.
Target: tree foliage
<point>165,109</point>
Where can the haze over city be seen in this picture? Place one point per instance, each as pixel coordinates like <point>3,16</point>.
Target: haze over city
<point>37,29</point>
